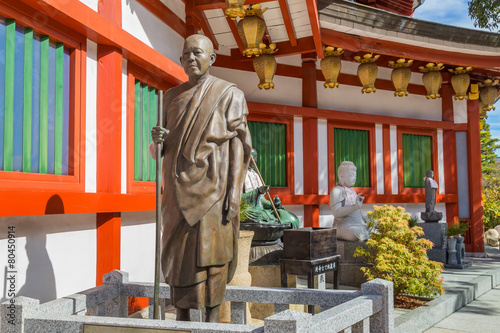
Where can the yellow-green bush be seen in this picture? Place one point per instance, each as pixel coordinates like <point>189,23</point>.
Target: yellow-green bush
<point>399,255</point>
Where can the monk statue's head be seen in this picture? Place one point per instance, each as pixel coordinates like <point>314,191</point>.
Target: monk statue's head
<point>347,173</point>
<point>429,174</point>
<point>197,56</point>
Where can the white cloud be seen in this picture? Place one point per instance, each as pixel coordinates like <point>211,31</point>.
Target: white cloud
<point>450,12</point>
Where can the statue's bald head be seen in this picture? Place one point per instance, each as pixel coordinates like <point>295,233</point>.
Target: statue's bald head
<point>197,56</point>
<point>201,41</point>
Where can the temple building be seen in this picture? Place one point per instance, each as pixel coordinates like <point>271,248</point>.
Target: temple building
<point>326,81</point>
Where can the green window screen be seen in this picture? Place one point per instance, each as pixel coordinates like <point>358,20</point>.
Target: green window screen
<point>269,139</point>
<point>352,145</point>
<point>417,159</point>
<point>34,101</point>
<point>145,114</point>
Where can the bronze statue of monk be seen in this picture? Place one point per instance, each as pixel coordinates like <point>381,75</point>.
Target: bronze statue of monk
<point>206,151</point>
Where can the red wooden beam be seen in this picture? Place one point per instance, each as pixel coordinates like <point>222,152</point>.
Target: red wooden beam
<point>157,8</point>
<point>205,26</point>
<point>216,4</point>
<point>366,44</point>
<point>236,35</point>
<point>285,12</point>
<point>304,45</point>
<point>312,10</point>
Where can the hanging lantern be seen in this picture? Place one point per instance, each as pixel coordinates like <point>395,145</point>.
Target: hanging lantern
<point>235,9</point>
<point>488,94</point>
<point>265,66</point>
<point>251,30</point>
<point>400,76</point>
<point>460,81</point>
<point>330,66</point>
<point>367,72</point>
<point>432,79</point>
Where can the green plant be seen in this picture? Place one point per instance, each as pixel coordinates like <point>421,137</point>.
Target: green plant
<point>458,229</point>
<point>412,221</point>
<point>244,209</point>
<point>399,255</point>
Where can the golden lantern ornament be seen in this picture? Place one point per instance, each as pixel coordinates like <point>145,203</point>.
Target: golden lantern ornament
<point>330,66</point>
<point>251,30</point>
<point>460,82</point>
<point>235,9</point>
<point>367,72</point>
<point>432,79</point>
<point>488,94</point>
<point>400,76</point>
<point>265,66</point>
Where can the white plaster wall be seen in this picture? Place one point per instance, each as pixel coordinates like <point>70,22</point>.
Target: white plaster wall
<point>177,7</point>
<point>460,111</point>
<point>91,119</point>
<point>325,216</point>
<point>55,254</point>
<point>382,102</point>
<point>322,156</point>
<point>298,156</point>
<point>462,175</point>
<point>138,245</point>
<point>124,128</point>
<point>146,27</point>
<point>287,91</point>
<point>393,132</point>
<point>297,210</point>
<point>91,4</point>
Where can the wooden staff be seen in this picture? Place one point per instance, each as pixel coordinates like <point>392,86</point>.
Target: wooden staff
<point>158,218</point>
<point>267,192</point>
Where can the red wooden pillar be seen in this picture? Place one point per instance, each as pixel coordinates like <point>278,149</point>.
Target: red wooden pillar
<point>449,151</point>
<point>475,177</point>
<point>310,138</point>
<point>191,22</point>
<point>109,103</point>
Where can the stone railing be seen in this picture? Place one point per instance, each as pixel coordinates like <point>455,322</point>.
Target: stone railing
<point>367,310</point>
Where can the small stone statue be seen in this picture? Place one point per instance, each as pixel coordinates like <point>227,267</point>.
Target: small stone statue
<point>349,220</point>
<point>430,215</point>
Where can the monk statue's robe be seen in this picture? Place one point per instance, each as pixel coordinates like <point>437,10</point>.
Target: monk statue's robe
<point>199,168</point>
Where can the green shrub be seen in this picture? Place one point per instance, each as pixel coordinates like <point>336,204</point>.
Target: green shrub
<point>491,207</point>
<point>399,255</point>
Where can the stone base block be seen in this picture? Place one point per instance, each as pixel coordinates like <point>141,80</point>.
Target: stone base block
<point>350,273</point>
<point>264,276</point>
<point>458,266</point>
<point>431,216</point>
<point>438,255</point>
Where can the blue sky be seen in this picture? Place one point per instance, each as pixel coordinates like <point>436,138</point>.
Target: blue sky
<point>455,12</point>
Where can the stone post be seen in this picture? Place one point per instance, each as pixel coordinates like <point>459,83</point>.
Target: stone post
<point>384,320</point>
<point>116,307</point>
<point>15,311</point>
<point>288,321</point>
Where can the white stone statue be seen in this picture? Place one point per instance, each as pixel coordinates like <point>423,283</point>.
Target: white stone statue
<point>349,220</point>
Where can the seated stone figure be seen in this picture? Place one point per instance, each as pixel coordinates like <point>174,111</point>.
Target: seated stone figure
<point>349,220</point>
<point>262,210</point>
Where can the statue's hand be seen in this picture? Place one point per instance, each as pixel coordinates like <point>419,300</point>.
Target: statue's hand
<point>359,200</point>
<point>264,189</point>
<point>232,204</point>
<point>158,134</point>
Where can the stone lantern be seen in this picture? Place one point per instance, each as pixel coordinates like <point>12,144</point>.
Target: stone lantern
<point>265,66</point>
<point>400,76</point>
<point>460,82</point>
<point>330,66</point>
<point>432,79</point>
<point>367,72</point>
<point>251,30</point>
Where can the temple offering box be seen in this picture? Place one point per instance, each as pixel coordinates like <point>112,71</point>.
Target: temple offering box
<point>309,243</point>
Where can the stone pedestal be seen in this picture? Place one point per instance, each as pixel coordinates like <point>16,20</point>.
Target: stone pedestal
<point>242,276</point>
<point>431,216</point>
<point>436,233</point>
<point>350,273</point>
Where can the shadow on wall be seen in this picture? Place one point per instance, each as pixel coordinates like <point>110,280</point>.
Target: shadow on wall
<point>40,279</point>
